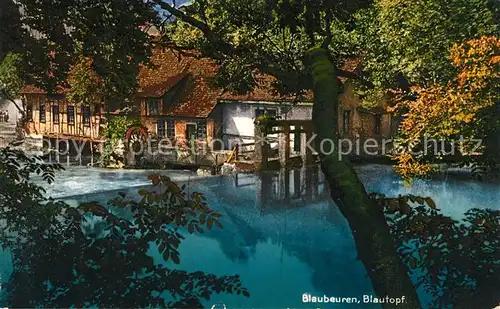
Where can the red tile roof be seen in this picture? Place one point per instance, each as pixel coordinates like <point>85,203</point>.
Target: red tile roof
<point>198,98</point>
<point>263,92</point>
<point>159,89</point>
<point>30,89</point>
<point>351,64</point>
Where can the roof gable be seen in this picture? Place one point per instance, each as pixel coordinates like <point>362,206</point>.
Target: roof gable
<point>198,97</point>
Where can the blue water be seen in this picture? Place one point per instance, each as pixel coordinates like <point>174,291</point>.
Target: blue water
<point>280,248</point>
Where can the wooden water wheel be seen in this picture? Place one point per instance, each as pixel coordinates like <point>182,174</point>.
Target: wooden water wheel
<point>136,143</point>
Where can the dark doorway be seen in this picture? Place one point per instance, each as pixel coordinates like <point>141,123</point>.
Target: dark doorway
<point>191,131</point>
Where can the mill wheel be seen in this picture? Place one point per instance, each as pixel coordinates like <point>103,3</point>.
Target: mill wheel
<point>136,140</point>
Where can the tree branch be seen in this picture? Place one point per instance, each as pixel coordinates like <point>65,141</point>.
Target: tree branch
<point>203,27</point>
<point>9,98</point>
<point>228,49</point>
<point>352,75</point>
<point>328,31</point>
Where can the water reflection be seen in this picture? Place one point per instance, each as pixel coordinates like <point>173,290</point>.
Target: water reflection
<point>281,221</point>
<point>454,194</point>
<point>241,244</point>
<point>280,233</point>
<point>283,234</point>
<point>290,188</point>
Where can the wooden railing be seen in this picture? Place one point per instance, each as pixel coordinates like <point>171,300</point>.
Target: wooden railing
<point>234,154</point>
<point>239,151</point>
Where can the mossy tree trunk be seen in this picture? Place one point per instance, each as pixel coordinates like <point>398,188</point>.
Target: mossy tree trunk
<point>374,243</point>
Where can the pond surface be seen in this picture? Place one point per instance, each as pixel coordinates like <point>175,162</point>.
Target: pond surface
<point>283,242</point>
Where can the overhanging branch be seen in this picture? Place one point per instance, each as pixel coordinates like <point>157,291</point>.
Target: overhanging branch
<point>352,75</point>
<point>203,27</point>
<point>4,95</point>
<point>228,49</point>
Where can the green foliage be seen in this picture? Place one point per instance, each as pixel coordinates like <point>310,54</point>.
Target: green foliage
<point>344,41</point>
<point>414,38</point>
<point>108,156</point>
<point>372,98</point>
<point>269,36</point>
<point>10,76</point>
<point>88,255</point>
<point>114,131</point>
<point>12,34</point>
<point>456,262</point>
<point>117,126</point>
<point>457,115</point>
<point>289,40</point>
<point>108,32</point>
<point>86,87</point>
<point>265,122</point>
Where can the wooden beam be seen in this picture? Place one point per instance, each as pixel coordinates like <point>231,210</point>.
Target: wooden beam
<point>287,184</point>
<point>282,123</point>
<point>287,144</point>
<point>308,181</point>
<point>309,134</point>
<point>290,131</point>
<point>73,137</point>
<point>91,154</point>
<point>247,144</point>
<point>57,150</point>
<point>265,155</point>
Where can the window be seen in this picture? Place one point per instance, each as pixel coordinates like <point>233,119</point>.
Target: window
<point>165,128</point>
<point>378,124</point>
<point>261,111</point>
<point>153,105</point>
<point>170,128</point>
<point>55,113</point>
<point>346,121</point>
<point>160,128</point>
<point>297,139</point>
<point>42,116</point>
<point>97,109</point>
<point>71,114</point>
<point>29,112</point>
<point>167,101</point>
<point>86,116</point>
<point>201,129</point>
<point>191,131</point>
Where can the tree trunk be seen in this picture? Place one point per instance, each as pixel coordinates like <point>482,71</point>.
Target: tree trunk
<point>374,243</point>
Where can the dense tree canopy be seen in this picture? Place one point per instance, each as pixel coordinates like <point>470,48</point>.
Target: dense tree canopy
<point>11,32</point>
<point>413,39</point>
<point>268,36</point>
<point>98,255</point>
<point>11,79</point>
<point>61,31</point>
<point>402,44</point>
<point>454,119</point>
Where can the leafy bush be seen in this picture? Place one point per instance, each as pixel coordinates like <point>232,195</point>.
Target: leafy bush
<point>115,130</point>
<point>82,256</point>
<point>456,262</point>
